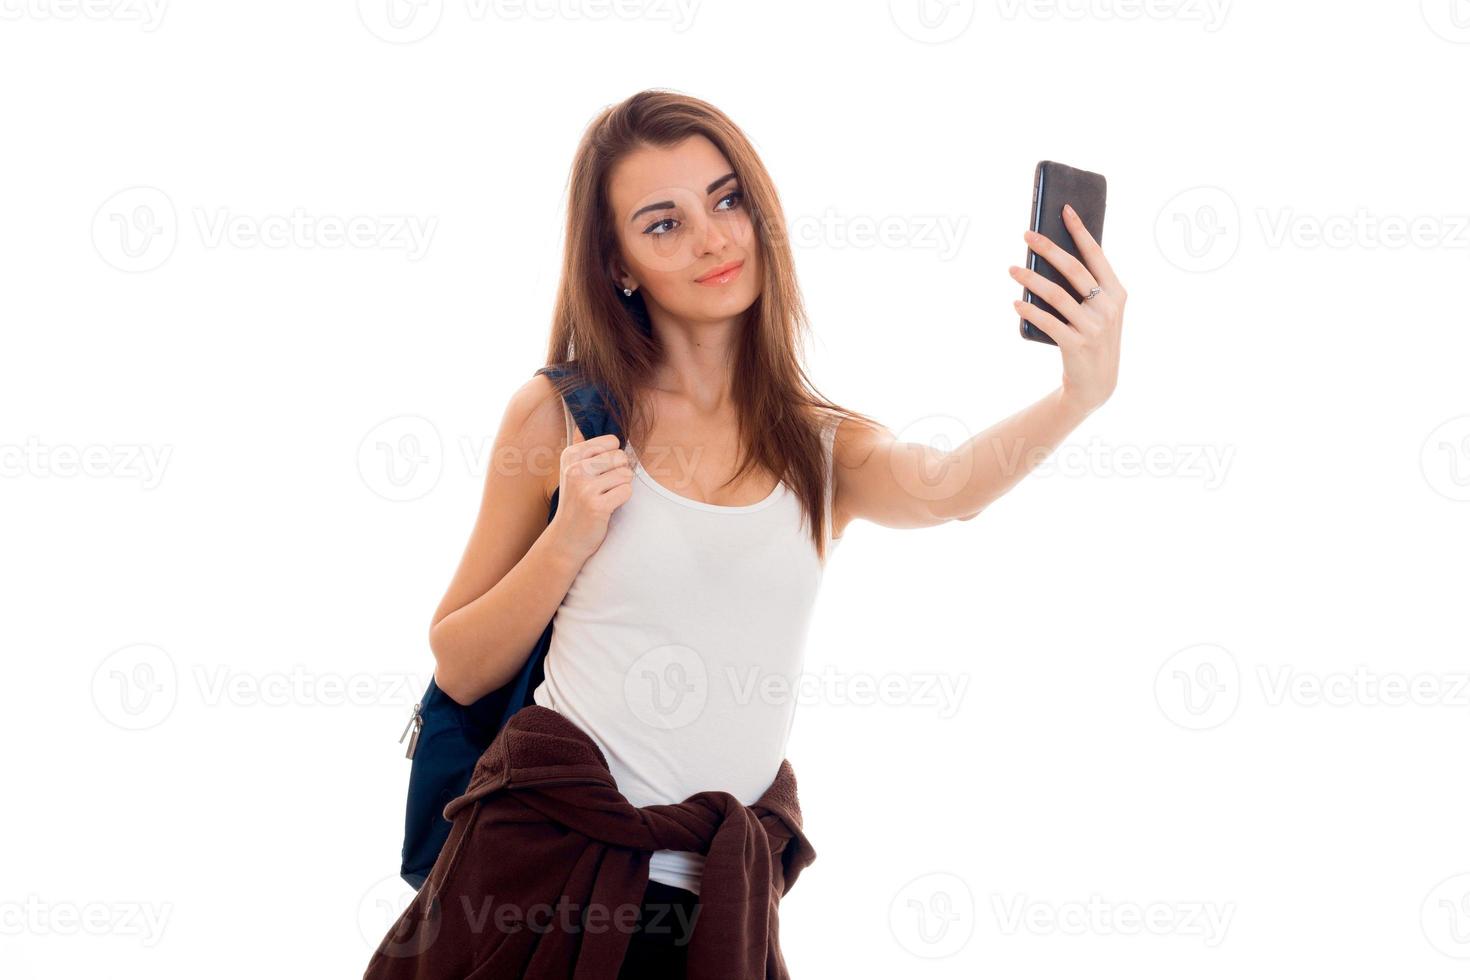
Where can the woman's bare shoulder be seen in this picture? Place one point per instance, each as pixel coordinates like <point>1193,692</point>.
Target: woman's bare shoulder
<point>855,439</point>
<point>533,433</point>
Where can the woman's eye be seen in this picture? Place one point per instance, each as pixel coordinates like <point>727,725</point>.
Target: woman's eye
<point>735,197</point>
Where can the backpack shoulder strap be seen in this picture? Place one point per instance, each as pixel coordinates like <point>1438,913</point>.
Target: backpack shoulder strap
<point>586,404</point>
<point>566,412</point>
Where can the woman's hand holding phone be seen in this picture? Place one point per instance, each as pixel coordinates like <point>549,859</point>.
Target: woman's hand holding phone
<point>596,479</point>
<point>1091,336</point>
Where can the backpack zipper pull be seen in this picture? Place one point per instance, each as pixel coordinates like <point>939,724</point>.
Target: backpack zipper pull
<point>415,725</point>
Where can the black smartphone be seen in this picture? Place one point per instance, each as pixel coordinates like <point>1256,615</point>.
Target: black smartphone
<point>1057,184</point>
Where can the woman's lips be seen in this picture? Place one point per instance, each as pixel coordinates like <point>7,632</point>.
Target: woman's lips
<point>722,278</point>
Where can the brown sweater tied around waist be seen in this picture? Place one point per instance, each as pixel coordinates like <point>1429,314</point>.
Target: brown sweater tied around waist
<point>544,871</point>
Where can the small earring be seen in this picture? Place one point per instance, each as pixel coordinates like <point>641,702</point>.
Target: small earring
<point>627,291</point>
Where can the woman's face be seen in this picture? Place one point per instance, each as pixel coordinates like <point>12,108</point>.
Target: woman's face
<point>681,216</point>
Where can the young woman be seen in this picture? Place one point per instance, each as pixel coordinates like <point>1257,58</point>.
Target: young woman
<point>681,569</point>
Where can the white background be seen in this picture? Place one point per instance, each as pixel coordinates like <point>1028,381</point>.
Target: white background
<point>209,656</point>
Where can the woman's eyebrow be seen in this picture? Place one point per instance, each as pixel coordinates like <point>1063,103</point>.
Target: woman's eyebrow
<point>663,205</point>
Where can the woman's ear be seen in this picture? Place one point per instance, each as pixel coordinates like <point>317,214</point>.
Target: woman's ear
<point>620,278</point>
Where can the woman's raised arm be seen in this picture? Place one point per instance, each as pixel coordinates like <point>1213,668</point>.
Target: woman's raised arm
<point>904,484</point>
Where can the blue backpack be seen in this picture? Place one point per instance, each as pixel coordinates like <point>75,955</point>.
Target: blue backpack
<point>446,738</point>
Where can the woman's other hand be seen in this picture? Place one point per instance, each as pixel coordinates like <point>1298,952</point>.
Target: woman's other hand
<point>596,479</point>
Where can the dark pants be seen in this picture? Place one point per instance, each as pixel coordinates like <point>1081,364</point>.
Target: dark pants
<point>660,946</point>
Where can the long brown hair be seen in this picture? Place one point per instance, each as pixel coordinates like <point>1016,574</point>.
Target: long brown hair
<point>606,339</point>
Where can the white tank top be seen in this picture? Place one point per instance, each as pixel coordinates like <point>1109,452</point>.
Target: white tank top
<point>679,646</point>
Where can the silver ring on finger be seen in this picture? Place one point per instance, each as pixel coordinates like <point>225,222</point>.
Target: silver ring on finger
<point>1092,293</point>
